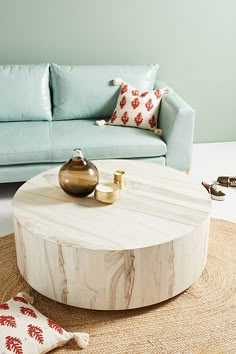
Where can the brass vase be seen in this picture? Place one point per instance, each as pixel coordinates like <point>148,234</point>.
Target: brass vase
<point>78,177</point>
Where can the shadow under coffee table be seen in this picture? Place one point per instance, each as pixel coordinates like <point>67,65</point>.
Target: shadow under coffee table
<point>147,247</point>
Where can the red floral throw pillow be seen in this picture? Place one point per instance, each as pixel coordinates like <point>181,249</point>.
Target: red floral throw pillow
<point>137,109</point>
<point>24,330</point>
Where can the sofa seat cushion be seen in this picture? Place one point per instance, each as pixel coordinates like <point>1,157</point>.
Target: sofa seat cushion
<point>103,142</point>
<point>86,91</point>
<point>50,142</point>
<point>25,142</point>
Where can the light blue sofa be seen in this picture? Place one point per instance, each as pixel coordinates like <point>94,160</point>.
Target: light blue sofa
<point>48,110</point>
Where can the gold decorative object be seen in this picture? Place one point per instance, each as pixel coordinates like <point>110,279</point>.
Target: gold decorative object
<point>119,178</point>
<point>78,177</point>
<point>107,192</point>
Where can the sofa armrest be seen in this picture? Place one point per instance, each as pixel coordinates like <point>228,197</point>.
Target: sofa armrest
<point>176,119</point>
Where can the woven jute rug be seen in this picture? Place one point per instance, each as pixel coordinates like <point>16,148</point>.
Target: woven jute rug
<point>200,320</point>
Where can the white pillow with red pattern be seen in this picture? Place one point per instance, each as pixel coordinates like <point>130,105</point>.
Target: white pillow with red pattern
<point>137,109</point>
<point>24,330</point>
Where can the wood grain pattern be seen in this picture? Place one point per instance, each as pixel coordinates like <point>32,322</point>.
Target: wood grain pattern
<point>148,246</point>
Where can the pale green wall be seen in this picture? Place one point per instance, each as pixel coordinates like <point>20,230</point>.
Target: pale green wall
<point>193,41</point>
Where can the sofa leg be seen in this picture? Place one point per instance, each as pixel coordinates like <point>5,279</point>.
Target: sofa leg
<point>187,172</point>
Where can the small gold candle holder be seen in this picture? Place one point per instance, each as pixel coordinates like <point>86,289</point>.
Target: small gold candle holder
<point>119,178</point>
<point>107,192</point>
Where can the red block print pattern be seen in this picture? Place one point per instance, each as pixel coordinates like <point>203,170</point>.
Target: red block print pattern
<point>28,312</point>
<point>113,117</point>
<point>123,102</point>
<point>137,109</point>
<point>135,103</point>
<point>125,118</point>
<point>8,321</point>
<point>124,89</point>
<point>158,94</point>
<point>152,122</point>
<point>14,345</point>
<point>4,307</point>
<point>138,119</point>
<point>149,104</point>
<point>24,330</point>
<point>135,92</point>
<point>36,333</point>
<point>20,299</point>
<point>55,326</point>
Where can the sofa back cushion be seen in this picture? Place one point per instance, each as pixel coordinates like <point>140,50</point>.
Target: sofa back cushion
<point>86,91</point>
<point>24,93</point>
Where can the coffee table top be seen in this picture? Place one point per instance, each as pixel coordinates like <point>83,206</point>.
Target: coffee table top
<point>157,205</point>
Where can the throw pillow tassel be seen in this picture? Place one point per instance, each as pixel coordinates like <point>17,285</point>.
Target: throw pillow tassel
<point>118,82</point>
<point>158,132</point>
<point>81,338</point>
<point>101,122</point>
<point>168,90</point>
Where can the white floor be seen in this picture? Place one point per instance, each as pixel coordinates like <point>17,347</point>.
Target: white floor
<point>209,162</point>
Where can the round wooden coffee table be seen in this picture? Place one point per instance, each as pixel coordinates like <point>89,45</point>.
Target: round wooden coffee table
<point>147,247</point>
